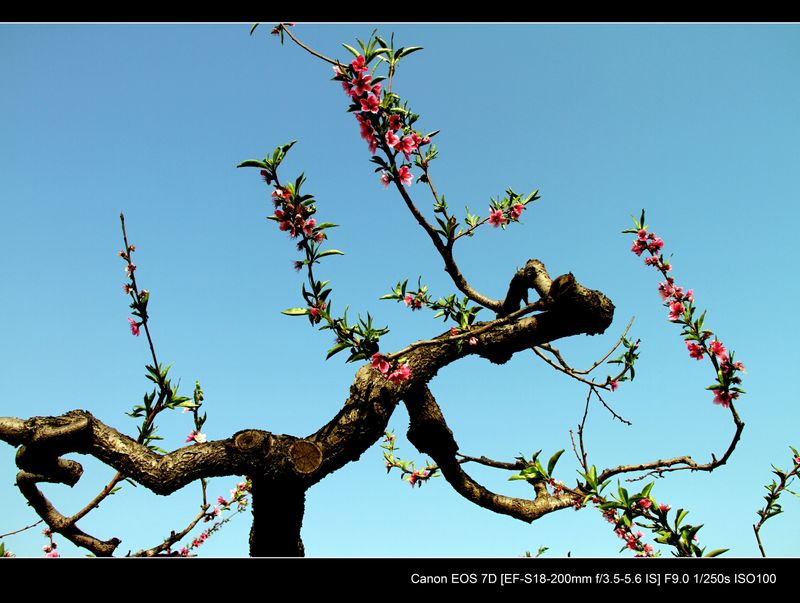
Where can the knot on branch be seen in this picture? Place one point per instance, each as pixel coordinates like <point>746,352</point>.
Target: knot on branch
<point>532,276</point>
<point>46,438</point>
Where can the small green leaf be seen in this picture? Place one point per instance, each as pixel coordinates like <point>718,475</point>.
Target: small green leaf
<point>403,52</point>
<point>354,52</point>
<point>253,163</point>
<point>295,311</point>
<point>716,552</point>
<point>330,252</point>
<point>551,464</point>
<point>336,349</point>
<point>252,29</point>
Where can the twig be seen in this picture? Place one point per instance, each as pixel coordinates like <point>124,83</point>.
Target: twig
<point>173,537</point>
<point>33,525</point>
<point>564,363</point>
<point>306,48</point>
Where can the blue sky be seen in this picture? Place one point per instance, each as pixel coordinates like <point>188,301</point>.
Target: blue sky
<point>696,123</point>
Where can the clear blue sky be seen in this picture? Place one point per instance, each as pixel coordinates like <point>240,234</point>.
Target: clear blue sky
<point>696,123</point>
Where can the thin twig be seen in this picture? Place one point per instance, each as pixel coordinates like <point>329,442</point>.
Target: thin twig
<point>306,48</point>
<point>482,460</point>
<point>572,371</point>
<point>33,525</point>
<point>173,537</point>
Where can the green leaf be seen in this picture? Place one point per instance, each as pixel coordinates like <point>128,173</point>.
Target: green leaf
<point>295,311</point>
<point>551,464</point>
<point>252,29</point>
<point>253,163</point>
<point>716,552</point>
<point>336,349</point>
<point>403,52</point>
<point>354,52</point>
<point>682,513</point>
<point>330,252</point>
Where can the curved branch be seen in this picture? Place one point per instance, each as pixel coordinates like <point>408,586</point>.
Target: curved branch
<point>659,467</point>
<point>430,435</point>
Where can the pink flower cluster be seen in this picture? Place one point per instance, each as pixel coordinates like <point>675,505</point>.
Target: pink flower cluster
<point>358,84</point>
<point>50,549</point>
<point>498,218</point>
<point>418,476</point>
<point>415,303</point>
<point>381,364</point>
<point>679,304</point>
<point>647,242</point>
<point>632,541</point>
<point>294,218</point>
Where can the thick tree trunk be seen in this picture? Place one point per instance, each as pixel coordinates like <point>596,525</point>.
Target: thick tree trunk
<point>278,509</point>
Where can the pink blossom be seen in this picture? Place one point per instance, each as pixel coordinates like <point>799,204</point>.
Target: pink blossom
<point>265,175</point>
<point>695,351</point>
<point>361,85</point>
<point>676,309</point>
<point>407,146</point>
<point>645,503</point>
<point>405,175</point>
<point>638,246</point>
<point>127,288</point>
<point>131,248</point>
<point>197,437</point>
<point>666,289</point>
<point>690,295</point>
<point>642,234</point>
<point>337,70</point>
<point>130,269</point>
<point>409,299</point>
<point>52,554</point>
<point>391,139</point>
<point>308,227</point>
<point>381,364</point>
<point>664,507</point>
<point>472,341</point>
<point>134,326</point>
<point>651,260</point>
<point>722,397</point>
<point>394,122</point>
<point>496,218</point>
<point>386,179</point>
<point>348,89</point>
<point>797,460</point>
<point>319,236</point>
<point>655,245</point>
<point>516,211</point>
<point>403,373</point>
<point>370,104</point>
<point>359,64</point>
<point>614,384</point>
<point>453,331</point>
<point>718,349</point>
